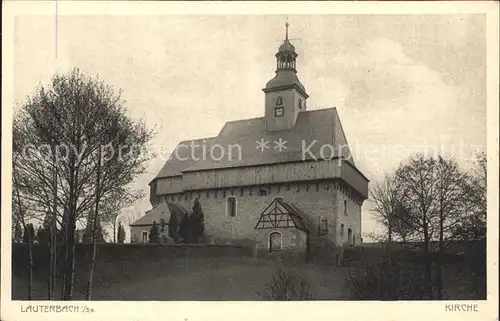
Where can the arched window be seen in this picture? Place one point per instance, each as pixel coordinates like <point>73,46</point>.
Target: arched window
<point>300,103</point>
<point>275,242</point>
<point>349,236</point>
<point>231,206</point>
<point>342,230</point>
<point>279,101</point>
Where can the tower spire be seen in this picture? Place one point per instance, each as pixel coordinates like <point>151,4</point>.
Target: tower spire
<point>286,26</point>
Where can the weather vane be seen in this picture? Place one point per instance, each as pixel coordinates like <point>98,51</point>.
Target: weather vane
<point>286,25</point>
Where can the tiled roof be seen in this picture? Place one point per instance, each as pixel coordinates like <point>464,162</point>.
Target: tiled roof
<point>296,215</point>
<point>313,128</point>
<point>162,210</point>
<point>174,166</point>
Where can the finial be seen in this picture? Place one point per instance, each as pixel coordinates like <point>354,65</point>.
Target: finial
<point>286,25</point>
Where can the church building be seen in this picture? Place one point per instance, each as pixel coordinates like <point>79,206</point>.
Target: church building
<point>285,182</point>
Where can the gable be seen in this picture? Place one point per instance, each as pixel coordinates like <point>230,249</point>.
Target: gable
<point>280,214</point>
<point>341,140</point>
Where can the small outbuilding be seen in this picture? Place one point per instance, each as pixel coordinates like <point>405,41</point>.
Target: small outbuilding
<point>167,216</point>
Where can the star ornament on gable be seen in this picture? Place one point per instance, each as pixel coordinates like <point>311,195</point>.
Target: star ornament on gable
<point>262,144</point>
<point>280,145</point>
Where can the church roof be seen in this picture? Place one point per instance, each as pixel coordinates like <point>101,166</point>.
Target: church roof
<point>174,165</point>
<point>313,129</point>
<point>285,78</point>
<point>162,210</point>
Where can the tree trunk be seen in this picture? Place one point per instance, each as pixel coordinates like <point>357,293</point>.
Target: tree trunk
<point>30,239</point>
<point>70,247</point>
<point>30,258</point>
<point>49,280</point>
<point>94,228</point>
<point>92,265</point>
<point>440,256</point>
<point>389,244</point>
<point>53,272</point>
<point>70,259</point>
<point>64,228</point>
<point>53,223</point>
<point>428,267</point>
<point>53,239</point>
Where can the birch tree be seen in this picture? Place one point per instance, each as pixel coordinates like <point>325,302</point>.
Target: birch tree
<point>87,117</point>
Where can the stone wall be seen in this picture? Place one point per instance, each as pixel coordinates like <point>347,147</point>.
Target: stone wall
<point>322,199</point>
<point>316,200</point>
<point>293,241</point>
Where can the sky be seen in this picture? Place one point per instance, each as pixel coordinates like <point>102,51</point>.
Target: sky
<point>401,83</point>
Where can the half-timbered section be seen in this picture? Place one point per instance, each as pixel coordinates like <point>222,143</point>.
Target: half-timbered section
<point>281,229</point>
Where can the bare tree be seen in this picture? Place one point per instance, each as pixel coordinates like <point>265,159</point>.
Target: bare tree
<point>88,118</point>
<point>20,210</point>
<point>389,209</point>
<point>473,225</point>
<point>418,183</point>
<point>451,206</point>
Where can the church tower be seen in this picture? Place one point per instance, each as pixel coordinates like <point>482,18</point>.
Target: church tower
<point>285,96</point>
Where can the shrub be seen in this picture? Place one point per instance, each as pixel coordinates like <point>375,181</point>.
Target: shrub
<point>154,233</point>
<point>197,223</point>
<point>121,233</point>
<point>385,279</point>
<point>287,285</point>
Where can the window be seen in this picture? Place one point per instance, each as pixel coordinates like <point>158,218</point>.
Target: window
<point>162,224</point>
<point>279,101</point>
<point>300,103</point>
<point>279,112</point>
<point>231,206</point>
<point>144,238</point>
<point>323,226</point>
<point>262,192</point>
<point>345,207</point>
<point>349,236</point>
<point>275,242</point>
<point>342,230</point>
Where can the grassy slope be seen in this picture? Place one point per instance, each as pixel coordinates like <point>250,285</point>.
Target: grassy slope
<point>191,279</point>
<point>142,275</point>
